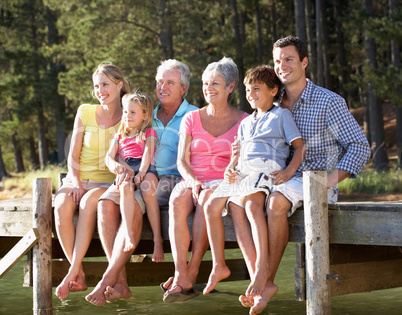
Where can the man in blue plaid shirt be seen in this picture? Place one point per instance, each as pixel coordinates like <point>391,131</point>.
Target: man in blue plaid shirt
<point>334,142</point>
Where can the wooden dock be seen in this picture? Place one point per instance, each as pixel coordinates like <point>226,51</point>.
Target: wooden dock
<point>365,248</point>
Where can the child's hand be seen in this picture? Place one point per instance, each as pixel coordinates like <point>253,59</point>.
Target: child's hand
<point>124,176</point>
<point>281,176</point>
<point>118,169</point>
<point>235,147</point>
<point>230,175</point>
<point>139,177</point>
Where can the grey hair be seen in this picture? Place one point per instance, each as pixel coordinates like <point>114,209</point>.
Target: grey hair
<point>227,69</point>
<point>173,64</point>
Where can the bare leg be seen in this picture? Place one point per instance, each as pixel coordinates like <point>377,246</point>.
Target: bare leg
<point>64,210</point>
<point>278,236</point>
<point>216,236</point>
<point>153,212</point>
<point>108,226</point>
<point>127,213</point>
<point>245,241</point>
<point>75,278</point>
<point>200,242</point>
<point>255,213</point>
<point>180,206</point>
<point>106,288</point>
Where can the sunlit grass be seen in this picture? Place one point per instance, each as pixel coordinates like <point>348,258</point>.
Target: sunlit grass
<point>373,182</point>
<point>24,181</point>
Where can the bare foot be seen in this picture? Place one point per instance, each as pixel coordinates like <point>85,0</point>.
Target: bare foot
<point>158,254</point>
<point>218,273</point>
<point>261,301</point>
<point>65,287</point>
<point>117,292</point>
<point>257,285</point>
<point>78,285</point>
<point>246,301</point>
<point>129,243</point>
<point>62,290</point>
<point>97,297</point>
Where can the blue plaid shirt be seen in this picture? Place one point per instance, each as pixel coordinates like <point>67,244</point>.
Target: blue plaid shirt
<point>333,138</point>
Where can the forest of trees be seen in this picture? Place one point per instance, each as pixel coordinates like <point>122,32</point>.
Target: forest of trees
<point>50,48</point>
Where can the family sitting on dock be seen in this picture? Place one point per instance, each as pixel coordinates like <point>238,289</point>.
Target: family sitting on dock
<point>127,159</point>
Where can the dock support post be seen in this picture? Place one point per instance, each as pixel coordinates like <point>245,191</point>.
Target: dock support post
<point>318,297</point>
<point>42,252</point>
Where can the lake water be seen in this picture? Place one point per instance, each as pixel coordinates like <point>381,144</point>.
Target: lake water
<point>15,299</point>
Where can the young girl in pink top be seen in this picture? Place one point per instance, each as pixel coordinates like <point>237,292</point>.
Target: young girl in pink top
<point>134,144</point>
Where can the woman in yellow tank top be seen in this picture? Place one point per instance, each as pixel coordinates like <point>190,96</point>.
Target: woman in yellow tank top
<point>88,177</point>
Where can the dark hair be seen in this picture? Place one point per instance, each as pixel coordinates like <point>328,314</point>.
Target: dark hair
<point>293,41</point>
<point>264,74</point>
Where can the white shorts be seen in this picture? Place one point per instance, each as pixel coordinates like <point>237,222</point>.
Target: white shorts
<point>252,178</point>
<point>293,191</point>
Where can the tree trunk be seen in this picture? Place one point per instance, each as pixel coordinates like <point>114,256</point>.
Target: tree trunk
<point>3,172</point>
<point>243,104</point>
<point>274,33</point>
<point>34,156</point>
<point>42,143</point>
<point>54,71</point>
<point>18,160</point>
<point>320,77</point>
<point>258,29</point>
<point>312,65</point>
<point>325,41</point>
<point>300,20</point>
<point>165,29</point>
<point>396,60</point>
<point>376,124</point>
<point>342,65</point>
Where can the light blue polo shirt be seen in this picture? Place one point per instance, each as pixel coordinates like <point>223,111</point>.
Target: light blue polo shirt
<point>268,136</point>
<point>165,159</point>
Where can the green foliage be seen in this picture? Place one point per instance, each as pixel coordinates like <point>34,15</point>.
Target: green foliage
<point>49,50</point>
<point>373,182</point>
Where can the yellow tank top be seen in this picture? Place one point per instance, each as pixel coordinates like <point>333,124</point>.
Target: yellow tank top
<point>95,145</point>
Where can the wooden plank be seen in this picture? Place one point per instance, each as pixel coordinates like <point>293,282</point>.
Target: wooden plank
<point>355,227</point>
<point>347,259</point>
<point>15,223</point>
<point>146,273</point>
<point>164,214</point>
<point>19,250</point>
<point>366,277</point>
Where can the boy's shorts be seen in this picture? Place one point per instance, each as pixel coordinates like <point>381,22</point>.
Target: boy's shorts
<point>292,190</point>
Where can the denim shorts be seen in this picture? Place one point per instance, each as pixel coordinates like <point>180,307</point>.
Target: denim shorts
<point>135,166</point>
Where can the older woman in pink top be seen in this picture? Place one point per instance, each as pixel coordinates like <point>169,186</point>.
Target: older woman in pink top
<point>204,153</point>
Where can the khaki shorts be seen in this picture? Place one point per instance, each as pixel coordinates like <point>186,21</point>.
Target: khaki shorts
<point>87,184</point>
<point>165,186</point>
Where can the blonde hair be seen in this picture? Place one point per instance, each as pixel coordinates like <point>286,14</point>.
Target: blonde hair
<point>114,74</point>
<point>147,107</point>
